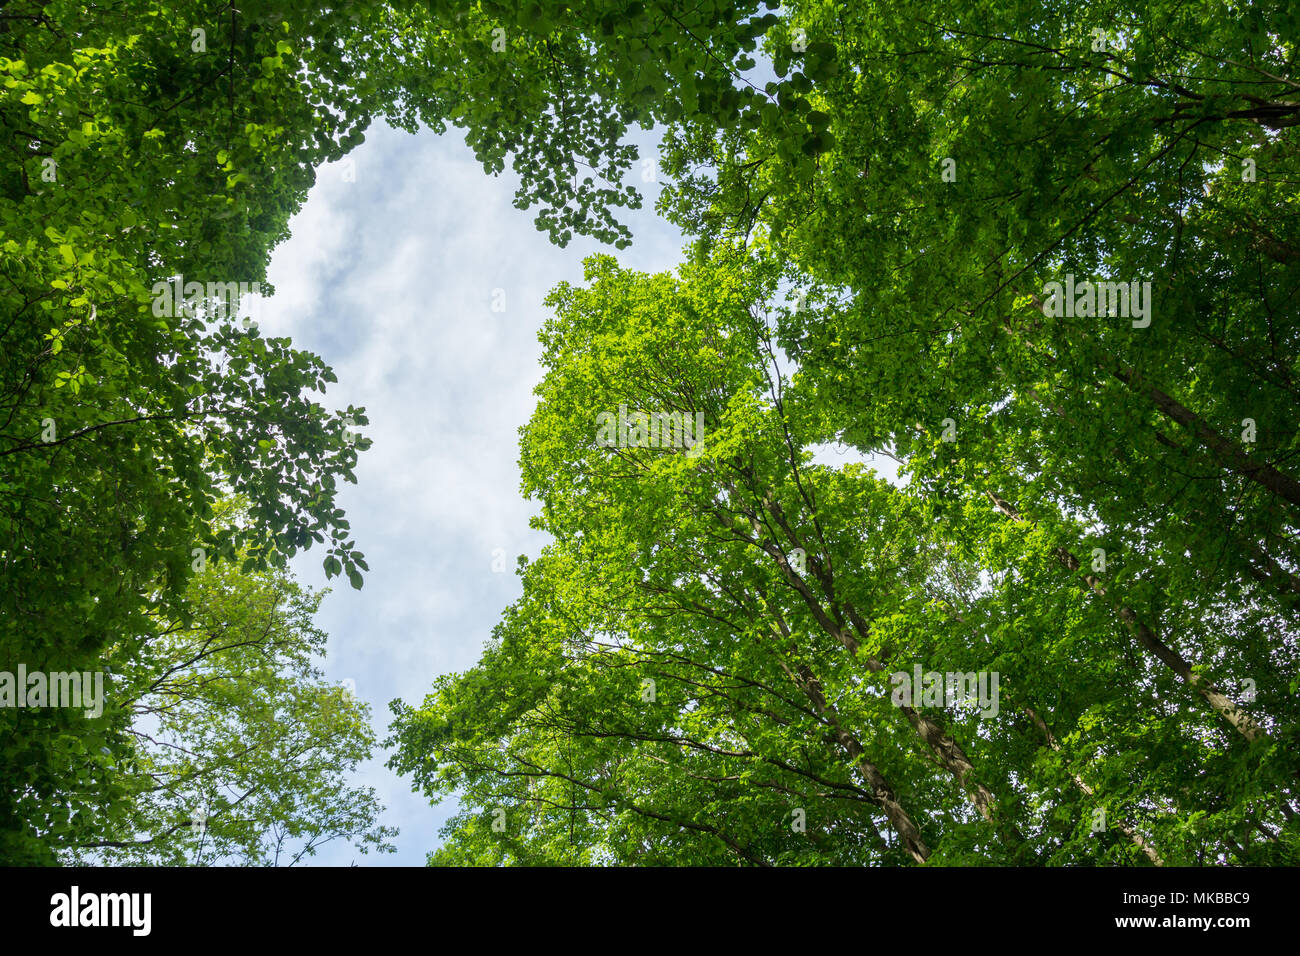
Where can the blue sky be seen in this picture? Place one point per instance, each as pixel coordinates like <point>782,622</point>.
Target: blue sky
<point>390,275</point>
<point>391,278</point>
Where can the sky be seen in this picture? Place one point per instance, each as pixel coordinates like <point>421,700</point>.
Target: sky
<point>391,273</point>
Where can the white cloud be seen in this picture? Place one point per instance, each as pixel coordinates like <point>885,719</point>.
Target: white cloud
<point>390,279</point>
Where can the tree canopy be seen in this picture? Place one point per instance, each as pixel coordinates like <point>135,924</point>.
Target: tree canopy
<point>1043,256</point>
<point>702,668</point>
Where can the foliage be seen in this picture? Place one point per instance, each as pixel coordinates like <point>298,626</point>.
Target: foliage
<point>238,751</point>
<point>771,699</point>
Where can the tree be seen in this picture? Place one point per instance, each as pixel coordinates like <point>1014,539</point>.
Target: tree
<point>939,170</point>
<point>138,155</point>
<point>942,166</point>
<point>171,142</point>
<point>237,752</point>
<point>765,605</point>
